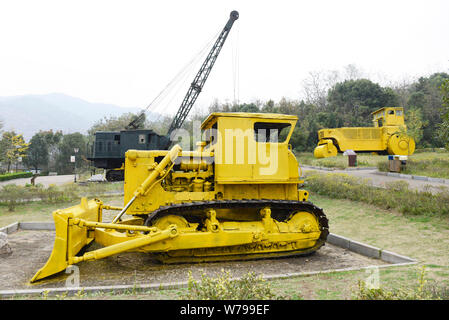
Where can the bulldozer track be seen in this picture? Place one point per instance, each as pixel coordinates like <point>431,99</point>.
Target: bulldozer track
<point>281,211</point>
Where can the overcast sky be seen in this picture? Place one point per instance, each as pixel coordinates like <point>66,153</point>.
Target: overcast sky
<point>125,52</point>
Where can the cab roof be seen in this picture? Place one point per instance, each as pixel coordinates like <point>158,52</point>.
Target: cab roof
<point>265,116</point>
<point>385,108</point>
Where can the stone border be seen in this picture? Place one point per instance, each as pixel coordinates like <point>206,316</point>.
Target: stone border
<point>340,169</point>
<point>412,177</point>
<point>16,226</point>
<point>392,258</point>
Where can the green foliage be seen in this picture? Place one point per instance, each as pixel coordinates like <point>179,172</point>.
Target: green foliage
<point>437,167</point>
<point>443,130</point>
<point>425,94</point>
<point>350,103</point>
<point>222,287</point>
<point>12,147</point>
<point>15,175</point>
<point>114,123</point>
<point>13,195</point>
<point>354,100</point>
<point>396,195</point>
<point>415,123</point>
<point>66,149</point>
<point>420,292</point>
<point>37,153</point>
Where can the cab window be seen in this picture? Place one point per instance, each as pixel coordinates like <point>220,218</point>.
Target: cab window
<point>271,131</point>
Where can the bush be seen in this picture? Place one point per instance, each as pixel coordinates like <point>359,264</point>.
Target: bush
<point>431,167</point>
<point>396,195</point>
<point>383,166</point>
<point>420,292</point>
<point>223,287</point>
<point>15,175</point>
<point>13,195</point>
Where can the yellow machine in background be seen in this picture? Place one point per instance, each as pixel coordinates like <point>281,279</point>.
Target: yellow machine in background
<point>236,197</point>
<point>387,136</point>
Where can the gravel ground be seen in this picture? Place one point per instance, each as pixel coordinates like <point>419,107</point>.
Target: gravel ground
<point>31,250</point>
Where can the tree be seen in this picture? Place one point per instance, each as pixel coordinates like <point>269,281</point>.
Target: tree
<point>415,123</point>
<point>316,85</point>
<point>66,149</point>
<point>12,147</point>
<point>426,95</point>
<point>354,100</point>
<point>37,153</point>
<point>52,139</point>
<point>116,123</point>
<point>443,131</point>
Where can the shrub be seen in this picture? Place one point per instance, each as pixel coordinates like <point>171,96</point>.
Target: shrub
<point>222,287</point>
<point>15,175</point>
<point>13,195</point>
<point>431,167</point>
<point>396,195</point>
<point>420,292</point>
<point>383,166</point>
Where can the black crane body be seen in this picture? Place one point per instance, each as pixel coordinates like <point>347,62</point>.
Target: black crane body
<point>108,150</point>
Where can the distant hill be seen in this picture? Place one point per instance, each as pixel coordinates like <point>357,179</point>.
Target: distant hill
<point>28,114</point>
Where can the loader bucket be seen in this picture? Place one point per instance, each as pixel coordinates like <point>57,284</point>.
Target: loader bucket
<point>70,239</point>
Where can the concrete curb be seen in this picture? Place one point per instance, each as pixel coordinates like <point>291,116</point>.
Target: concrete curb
<point>394,260</point>
<point>13,227</point>
<point>340,169</point>
<point>412,177</point>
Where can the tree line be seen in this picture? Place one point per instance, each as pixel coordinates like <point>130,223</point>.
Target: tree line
<point>346,103</point>
<point>327,104</point>
<point>47,151</point>
<point>349,103</point>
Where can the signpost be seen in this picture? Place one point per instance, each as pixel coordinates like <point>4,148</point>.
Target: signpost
<point>73,159</point>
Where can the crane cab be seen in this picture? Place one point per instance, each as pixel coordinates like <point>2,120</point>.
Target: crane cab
<point>109,148</point>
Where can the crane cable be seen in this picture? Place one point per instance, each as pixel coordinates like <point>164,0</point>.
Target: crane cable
<point>236,68</point>
<point>180,75</point>
<point>182,78</point>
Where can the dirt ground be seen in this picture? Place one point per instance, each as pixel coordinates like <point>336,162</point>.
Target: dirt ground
<point>31,250</point>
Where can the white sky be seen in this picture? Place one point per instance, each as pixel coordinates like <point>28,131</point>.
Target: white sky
<point>125,52</point>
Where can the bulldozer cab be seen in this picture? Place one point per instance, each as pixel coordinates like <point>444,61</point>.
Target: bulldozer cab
<point>250,146</point>
<point>390,116</point>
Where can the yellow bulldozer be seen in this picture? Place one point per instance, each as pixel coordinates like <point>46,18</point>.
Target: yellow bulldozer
<point>388,136</point>
<point>236,197</point>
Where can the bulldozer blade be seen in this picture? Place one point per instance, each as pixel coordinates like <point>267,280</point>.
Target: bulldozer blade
<point>69,238</point>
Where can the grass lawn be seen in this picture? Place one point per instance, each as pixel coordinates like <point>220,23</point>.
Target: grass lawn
<point>425,238</point>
